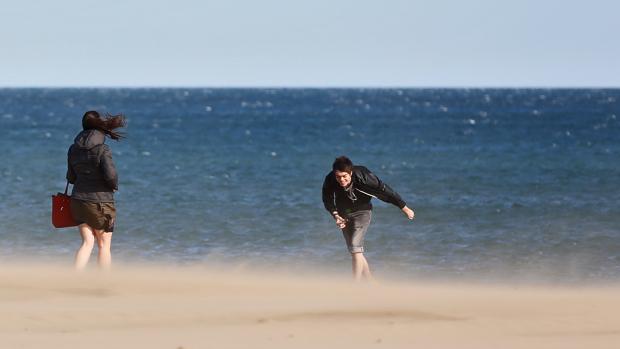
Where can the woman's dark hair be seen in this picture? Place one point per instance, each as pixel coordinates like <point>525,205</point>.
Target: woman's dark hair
<point>93,121</point>
<point>343,164</point>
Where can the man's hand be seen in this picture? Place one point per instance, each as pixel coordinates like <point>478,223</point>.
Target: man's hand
<point>408,212</point>
<point>340,222</point>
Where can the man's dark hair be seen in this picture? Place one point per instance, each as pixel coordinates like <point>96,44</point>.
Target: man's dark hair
<point>343,164</point>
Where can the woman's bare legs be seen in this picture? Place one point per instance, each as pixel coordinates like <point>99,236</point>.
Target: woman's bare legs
<point>104,242</point>
<point>88,241</point>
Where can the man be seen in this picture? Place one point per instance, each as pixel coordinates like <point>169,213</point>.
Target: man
<point>347,191</point>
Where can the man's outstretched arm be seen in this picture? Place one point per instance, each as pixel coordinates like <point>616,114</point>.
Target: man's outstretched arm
<point>372,185</point>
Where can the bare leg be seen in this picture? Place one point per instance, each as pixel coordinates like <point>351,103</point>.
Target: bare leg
<point>104,242</point>
<point>366,270</point>
<point>358,265</point>
<point>83,253</point>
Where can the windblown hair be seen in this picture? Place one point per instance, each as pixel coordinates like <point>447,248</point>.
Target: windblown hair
<point>343,164</point>
<point>93,121</point>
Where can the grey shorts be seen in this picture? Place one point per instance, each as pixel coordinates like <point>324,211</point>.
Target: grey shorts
<point>355,230</point>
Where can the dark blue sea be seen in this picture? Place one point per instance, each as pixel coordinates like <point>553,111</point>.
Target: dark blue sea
<point>507,184</point>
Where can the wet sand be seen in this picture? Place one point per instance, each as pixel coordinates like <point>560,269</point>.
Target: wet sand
<point>45,306</point>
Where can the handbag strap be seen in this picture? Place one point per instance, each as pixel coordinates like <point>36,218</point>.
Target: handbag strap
<point>67,188</point>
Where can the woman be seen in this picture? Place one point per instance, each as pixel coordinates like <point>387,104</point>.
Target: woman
<point>93,175</point>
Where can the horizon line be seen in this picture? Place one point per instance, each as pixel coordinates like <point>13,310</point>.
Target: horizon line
<point>317,87</point>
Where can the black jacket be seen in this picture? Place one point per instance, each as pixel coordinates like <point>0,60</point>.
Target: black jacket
<point>365,186</point>
<point>91,169</point>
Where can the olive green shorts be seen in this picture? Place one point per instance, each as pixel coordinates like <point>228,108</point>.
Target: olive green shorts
<point>99,215</point>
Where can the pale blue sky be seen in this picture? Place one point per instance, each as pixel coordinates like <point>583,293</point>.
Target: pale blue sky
<point>319,43</point>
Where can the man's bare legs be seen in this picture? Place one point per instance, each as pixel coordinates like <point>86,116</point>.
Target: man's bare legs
<point>360,267</point>
<point>104,242</point>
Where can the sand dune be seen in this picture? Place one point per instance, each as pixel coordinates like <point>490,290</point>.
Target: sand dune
<point>193,307</point>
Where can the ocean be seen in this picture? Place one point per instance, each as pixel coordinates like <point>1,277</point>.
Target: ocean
<point>507,184</point>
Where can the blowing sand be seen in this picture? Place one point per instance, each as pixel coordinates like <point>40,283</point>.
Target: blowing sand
<point>149,307</point>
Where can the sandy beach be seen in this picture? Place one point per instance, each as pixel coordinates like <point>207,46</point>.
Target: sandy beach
<point>46,306</point>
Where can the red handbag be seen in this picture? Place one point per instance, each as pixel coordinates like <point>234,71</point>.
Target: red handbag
<point>61,210</point>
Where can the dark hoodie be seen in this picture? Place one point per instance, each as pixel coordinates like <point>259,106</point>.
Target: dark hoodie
<point>91,169</point>
<point>364,186</point>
